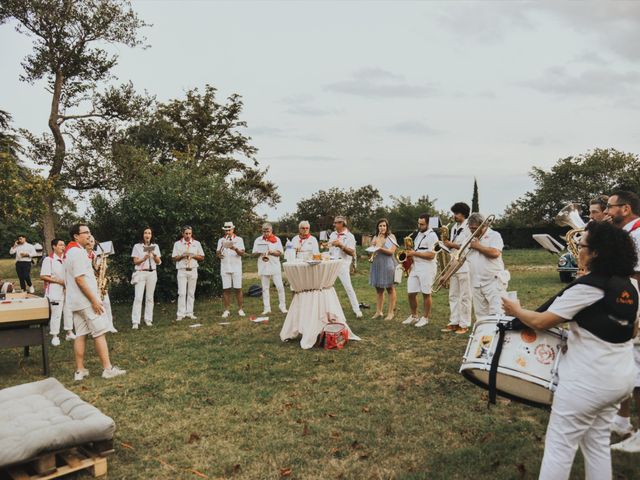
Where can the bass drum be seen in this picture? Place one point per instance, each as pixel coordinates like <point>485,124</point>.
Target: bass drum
<point>528,366</point>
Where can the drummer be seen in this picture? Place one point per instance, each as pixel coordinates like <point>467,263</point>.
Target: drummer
<point>597,370</point>
<point>304,242</point>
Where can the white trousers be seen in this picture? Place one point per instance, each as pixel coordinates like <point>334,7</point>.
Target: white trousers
<point>345,279</point>
<point>187,281</point>
<point>487,299</point>
<point>146,286</point>
<point>581,415</point>
<point>266,297</point>
<point>108,315</point>
<point>460,300</point>
<point>57,312</point>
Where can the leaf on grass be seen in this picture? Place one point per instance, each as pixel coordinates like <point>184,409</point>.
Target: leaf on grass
<point>193,438</point>
<point>288,405</point>
<point>286,471</point>
<point>165,464</point>
<point>237,468</point>
<point>126,445</point>
<point>305,430</point>
<point>356,445</point>
<point>335,434</point>
<point>331,415</point>
<point>84,389</point>
<point>365,409</point>
<point>199,474</point>
<point>363,456</point>
<point>521,469</point>
<point>261,356</point>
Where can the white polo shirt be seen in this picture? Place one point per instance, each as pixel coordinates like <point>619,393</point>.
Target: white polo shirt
<point>26,248</point>
<point>53,266</point>
<point>347,239</point>
<point>424,242</point>
<point>231,262</point>
<point>182,248</point>
<point>138,252</point>
<point>77,264</point>
<point>272,267</point>
<point>459,234</point>
<point>635,234</point>
<point>484,269</point>
<point>307,245</point>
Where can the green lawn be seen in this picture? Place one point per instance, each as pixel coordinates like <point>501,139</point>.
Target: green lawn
<point>235,402</point>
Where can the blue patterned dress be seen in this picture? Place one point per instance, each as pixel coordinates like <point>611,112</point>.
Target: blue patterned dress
<point>383,268</point>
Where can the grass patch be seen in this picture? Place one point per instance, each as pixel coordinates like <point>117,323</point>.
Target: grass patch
<point>235,402</point>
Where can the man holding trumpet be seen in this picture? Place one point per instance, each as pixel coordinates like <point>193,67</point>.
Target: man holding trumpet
<point>187,252</point>
<point>230,250</point>
<point>342,245</point>
<point>268,249</point>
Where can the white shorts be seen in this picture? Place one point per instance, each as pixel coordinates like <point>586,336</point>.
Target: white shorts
<point>89,322</point>
<point>636,356</point>
<point>420,282</point>
<point>231,280</point>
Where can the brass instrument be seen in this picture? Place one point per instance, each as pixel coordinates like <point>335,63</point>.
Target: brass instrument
<point>569,216</point>
<point>188,254</point>
<point>459,256</point>
<point>401,254</point>
<point>443,254</point>
<point>102,273</point>
<point>373,254</point>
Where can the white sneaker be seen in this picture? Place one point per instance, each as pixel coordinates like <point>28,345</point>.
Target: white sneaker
<point>622,430</point>
<point>358,314</point>
<point>192,317</point>
<point>283,309</point>
<point>410,320</point>
<point>179,319</point>
<point>113,330</point>
<point>112,372</point>
<point>241,313</point>
<point>135,326</point>
<point>629,445</point>
<point>226,314</point>
<point>148,323</point>
<point>70,336</point>
<point>422,322</point>
<point>266,312</point>
<point>31,289</point>
<point>81,375</point>
<point>55,341</point>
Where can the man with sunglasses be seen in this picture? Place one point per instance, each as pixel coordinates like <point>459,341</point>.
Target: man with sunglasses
<point>342,245</point>
<point>83,300</point>
<point>304,242</point>
<point>623,207</point>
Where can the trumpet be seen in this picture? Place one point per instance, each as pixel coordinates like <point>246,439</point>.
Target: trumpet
<point>401,254</point>
<point>265,256</point>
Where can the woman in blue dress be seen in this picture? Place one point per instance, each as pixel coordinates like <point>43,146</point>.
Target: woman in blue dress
<point>382,271</point>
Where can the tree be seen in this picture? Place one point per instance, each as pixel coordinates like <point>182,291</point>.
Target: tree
<point>66,53</point>
<point>403,213</point>
<point>475,201</point>
<point>574,179</point>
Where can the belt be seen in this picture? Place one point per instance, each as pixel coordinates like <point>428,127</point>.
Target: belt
<point>147,270</point>
<point>54,303</point>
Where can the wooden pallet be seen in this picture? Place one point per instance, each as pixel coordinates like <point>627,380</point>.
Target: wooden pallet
<point>57,464</point>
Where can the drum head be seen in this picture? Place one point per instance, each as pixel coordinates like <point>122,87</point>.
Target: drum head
<point>513,388</point>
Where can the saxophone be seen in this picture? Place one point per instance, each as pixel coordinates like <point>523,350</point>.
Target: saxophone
<point>102,274</point>
<point>442,252</point>
<point>401,254</point>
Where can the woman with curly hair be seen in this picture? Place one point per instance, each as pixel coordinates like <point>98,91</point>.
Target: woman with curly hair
<point>597,371</point>
<point>381,275</point>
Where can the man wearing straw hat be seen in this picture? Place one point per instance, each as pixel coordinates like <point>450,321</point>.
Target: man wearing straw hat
<point>230,250</point>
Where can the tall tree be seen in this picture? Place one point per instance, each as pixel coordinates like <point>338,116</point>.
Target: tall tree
<point>475,201</point>
<point>403,212</point>
<point>68,39</point>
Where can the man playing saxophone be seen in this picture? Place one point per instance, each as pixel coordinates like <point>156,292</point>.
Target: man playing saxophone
<point>99,263</point>
<point>422,272</point>
<point>460,282</point>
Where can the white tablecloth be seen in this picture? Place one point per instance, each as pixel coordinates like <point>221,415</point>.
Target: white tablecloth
<point>314,298</point>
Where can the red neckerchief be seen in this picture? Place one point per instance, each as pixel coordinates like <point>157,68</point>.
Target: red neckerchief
<point>305,236</point>
<point>344,232</point>
<point>69,246</point>
<point>635,226</point>
<point>271,238</point>
<point>188,243</point>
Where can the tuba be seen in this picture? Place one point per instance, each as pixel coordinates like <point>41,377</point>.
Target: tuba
<point>569,216</point>
<point>401,254</point>
<point>459,256</point>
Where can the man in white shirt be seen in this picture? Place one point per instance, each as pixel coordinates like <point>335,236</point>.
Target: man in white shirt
<point>230,251</point>
<point>268,249</point>
<point>52,273</point>
<point>24,252</point>
<point>187,252</point>
<point>623,207</point>
<point>489,279</point>
<point>304,244</point>
<point>83,300</point>
<point>460,282</point>
<point>422,273</point>
<point>342,245</point>
<point>146,258</point>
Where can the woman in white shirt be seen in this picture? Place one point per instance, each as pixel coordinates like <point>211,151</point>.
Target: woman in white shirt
<point>597,371</point>
<point>146,258</point>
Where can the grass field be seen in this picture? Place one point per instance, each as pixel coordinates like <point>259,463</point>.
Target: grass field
<point>235,402</point>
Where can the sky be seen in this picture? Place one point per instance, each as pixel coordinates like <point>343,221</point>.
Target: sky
<point>414,98</point>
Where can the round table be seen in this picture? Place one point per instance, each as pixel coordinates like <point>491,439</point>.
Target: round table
<point>315,298</point>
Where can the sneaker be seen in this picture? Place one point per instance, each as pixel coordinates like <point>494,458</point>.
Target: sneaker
<point>241,313</point>
<point>80,375</point>
<point>410,320</point>
<point>629,445</point>
<point>226,313</point>
<point>358,314</point>
<point>113,330</point>
<point>179,319</point>
<point>422,322</point>
<point>461,330</point>
<point>31,289</point>
<point>112,372</point>
<point>621,428</point>
<point>266,312</point>
<point>135,326</point>
<point>449,328</point>
<point>283,309</point>
<point>192,317</point>
<point>148,323</point>
<point>55,341</point>
<point>70,336</point>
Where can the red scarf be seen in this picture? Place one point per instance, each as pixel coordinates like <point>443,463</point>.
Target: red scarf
<point>69,246</point>
<point>270,238</point>
<point>635,226</point>
<point>305,236</point>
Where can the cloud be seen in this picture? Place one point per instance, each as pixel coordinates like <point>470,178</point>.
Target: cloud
<point>379,83</point>
<point>283,133</point>
<point>270,131</point>
<point>304,158</point>
<point>311,111</point>
<point>592,58</point>
<point>411,127</point>
<point>603,82</point>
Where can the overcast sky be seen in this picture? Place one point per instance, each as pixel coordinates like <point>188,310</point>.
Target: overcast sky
<point>412,97</point>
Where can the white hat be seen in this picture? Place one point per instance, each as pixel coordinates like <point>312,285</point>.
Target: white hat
<point>228,226</point>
